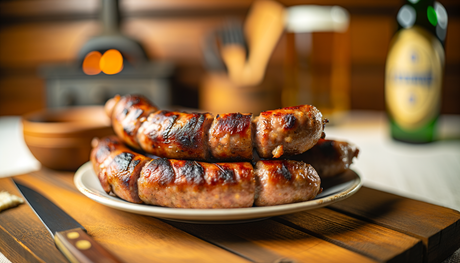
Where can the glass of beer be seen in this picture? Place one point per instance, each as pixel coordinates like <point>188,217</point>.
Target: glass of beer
<point>318,59</point>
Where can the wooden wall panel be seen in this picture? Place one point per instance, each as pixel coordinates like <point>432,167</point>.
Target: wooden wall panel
<point>453,41</point>
<point>25,9</point>
<point>37,32</point>
<point>178,39</point>
<point>370,37</point>
<point>21,94</point>
<point>367,87</point>
<point>451,85</point>
<point>30,45</point>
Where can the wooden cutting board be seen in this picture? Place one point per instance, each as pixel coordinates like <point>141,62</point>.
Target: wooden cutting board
<point>370,226</point>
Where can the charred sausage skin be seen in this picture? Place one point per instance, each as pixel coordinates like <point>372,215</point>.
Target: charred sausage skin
<point>176,135</point>
<point>102,150</point>
<point>117,168</point>
<point>190,184</point>
<point>228,137</point>
<point>287,131</point>
<point>284,182</point>
<point>128,113</point>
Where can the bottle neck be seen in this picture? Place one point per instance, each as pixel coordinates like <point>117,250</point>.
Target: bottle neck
<point>427,14</point>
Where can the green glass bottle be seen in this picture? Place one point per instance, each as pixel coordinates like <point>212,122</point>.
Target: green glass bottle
<point>414,71</point>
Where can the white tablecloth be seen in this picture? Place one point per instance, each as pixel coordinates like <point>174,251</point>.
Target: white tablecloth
<point>427,172</point>
<point>15,157</point>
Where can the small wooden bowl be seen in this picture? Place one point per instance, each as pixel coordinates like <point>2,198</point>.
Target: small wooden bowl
<point>61,138</point>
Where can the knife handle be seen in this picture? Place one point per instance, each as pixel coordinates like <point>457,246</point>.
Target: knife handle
<point>77,246</point>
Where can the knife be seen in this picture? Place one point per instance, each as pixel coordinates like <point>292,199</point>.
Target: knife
<point>69,236</point>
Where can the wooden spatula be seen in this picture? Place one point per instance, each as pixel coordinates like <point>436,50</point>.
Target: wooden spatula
<point>263,28</point>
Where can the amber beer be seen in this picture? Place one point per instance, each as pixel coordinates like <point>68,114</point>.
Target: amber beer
<point>414,71</point>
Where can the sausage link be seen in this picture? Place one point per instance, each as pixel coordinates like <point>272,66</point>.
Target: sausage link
<point>228,137</point>
<point>176,135</point>
<point>287,131</point>
<point>190,184</point>
<point>117,168</point>
<point>128,113</point>
<point>284,182</point>
<point>329,157</point>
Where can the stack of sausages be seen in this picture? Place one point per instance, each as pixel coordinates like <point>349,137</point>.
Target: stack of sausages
<point>196,160</point>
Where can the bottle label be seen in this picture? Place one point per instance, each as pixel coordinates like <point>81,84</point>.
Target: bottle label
<point>413,78</point>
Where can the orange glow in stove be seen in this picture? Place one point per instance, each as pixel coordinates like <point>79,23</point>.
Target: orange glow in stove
<point>91,63</point>
<point>111,62</point>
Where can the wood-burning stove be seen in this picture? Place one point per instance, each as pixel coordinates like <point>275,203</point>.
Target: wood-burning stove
<point>129,71</point>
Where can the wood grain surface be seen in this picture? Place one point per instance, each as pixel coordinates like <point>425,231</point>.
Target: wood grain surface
<point>370,226</point>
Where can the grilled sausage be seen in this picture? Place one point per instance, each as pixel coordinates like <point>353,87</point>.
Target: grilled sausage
<point>175,134</point>
<point>329,157</point>
<point>117,167</point>
<point>284,181</point>
<point>128,113</point>
<point>288,131</point>
<point>191,184</point>
<point>230,137</point>
<point>200,136</point>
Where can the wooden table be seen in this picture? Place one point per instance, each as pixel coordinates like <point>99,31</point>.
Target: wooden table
<point>370,226</point>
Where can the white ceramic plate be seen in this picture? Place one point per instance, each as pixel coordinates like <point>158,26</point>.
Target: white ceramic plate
<point>334,190</point>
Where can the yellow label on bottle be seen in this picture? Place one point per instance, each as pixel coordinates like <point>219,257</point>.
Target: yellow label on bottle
<point>413,78</point>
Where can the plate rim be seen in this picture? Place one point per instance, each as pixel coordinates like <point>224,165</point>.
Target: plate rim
<point>209,215</point>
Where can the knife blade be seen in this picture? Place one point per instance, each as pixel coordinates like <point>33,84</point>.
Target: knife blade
<point>69,236</point>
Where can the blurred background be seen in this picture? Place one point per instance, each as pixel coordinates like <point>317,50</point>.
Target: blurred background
<point>42,40</point>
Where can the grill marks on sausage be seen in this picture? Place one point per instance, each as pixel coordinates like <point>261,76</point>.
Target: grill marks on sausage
<point>227,175</point>
<point>104,148</point>
<point>162,167</point>
<point>293,130</point>
<point>133,114</point>
<point>170,120</point>
<point>289,121</point>
<point>279,169</point>
<point>189,135</point>
<point>176,135</point>
<point>193,172</point>
<point>131,128</point>
<point>285,172</point>
<point>102,153</point>
<point>125,164</point>
<point>233,123</point>
<point>123,160</point>
<point>228,137</point>
<point>282,182</point>
<point>128,115</point>
<point>121,171</point>
<point>191,184</point>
